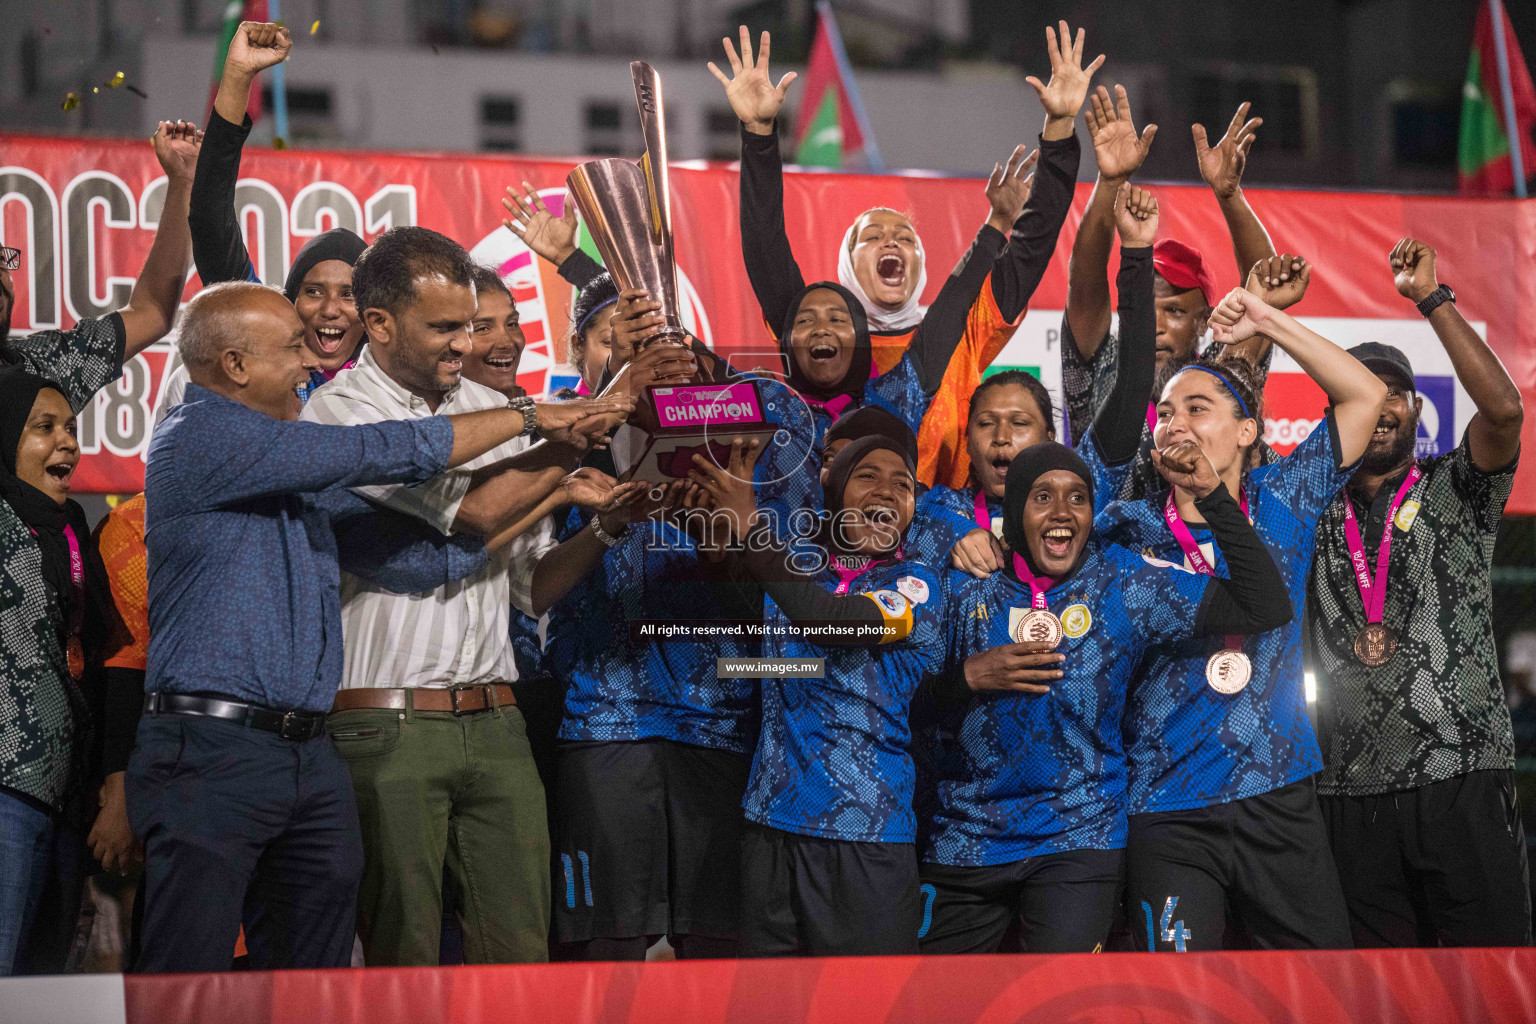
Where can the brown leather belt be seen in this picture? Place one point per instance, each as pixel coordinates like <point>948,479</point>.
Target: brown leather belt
<point>461,700</point>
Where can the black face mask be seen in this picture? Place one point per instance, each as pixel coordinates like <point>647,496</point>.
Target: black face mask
<point>858,368</point>
<point>1028,466</point>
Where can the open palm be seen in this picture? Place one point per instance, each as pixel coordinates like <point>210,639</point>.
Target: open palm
<point>1116,146</point>
<point>1063,95</point>
<point>754,97</point>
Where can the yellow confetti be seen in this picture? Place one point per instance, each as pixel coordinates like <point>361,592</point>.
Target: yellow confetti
<point>71,102</point>
<point>116,81</point>
<point>314,28</point>
<point>95,88</point>
<point>279,143</point>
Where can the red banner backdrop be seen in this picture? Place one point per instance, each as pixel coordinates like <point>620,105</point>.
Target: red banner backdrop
<point>84,211</point>
<point>1485,986</point>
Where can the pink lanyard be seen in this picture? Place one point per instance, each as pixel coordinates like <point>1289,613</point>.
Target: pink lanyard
<point>1038,585</point>
<point>983,514</point>
<point>1192,550</point>
<point>1374,592</point>
<point>835,407</point>
<point>845,577</point>
<point>1152,416</point>
<point>76,593</point>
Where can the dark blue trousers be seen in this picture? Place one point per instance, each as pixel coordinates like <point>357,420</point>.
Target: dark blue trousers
<point>243,827</point>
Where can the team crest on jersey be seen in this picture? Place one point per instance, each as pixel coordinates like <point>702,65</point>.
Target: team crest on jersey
<point>1406,515</point>
<point>1076,620</point>
<point>1162,563</point>
<point>913,589</point>
<point>890,602</point>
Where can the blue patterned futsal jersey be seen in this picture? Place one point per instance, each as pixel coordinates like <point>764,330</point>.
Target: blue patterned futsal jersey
<point>1019,775</point>
<point>618,688</point>
<point>832,760</point>
<point>1190,746</point>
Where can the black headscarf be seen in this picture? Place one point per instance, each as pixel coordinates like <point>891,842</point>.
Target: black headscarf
<point>848,460</point>
<point>858,368</point>
<point>1028,466</point>
<point>46,518</point>
<point>335,244</point>
<point>873,421</point>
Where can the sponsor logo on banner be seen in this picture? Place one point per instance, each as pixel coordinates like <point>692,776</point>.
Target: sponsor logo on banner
<point>1437,424</point>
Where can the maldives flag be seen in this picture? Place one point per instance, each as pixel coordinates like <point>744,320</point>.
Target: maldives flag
<point>832,124</point>
<point>1483,155</point>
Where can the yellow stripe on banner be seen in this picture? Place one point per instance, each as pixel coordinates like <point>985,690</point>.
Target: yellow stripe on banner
<point>895,615</point>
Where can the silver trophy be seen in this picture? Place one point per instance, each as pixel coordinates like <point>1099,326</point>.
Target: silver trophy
<point>627,208</point>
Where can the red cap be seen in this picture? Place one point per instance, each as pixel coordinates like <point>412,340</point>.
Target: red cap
<point>1184,268</point>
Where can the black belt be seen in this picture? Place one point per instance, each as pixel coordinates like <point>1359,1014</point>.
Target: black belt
<point>290,725</point>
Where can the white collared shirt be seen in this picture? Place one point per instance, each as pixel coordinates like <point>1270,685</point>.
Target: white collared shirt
<point>458,633</point>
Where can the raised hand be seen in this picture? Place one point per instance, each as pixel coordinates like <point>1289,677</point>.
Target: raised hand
<point>256,46</point>
<point>553,238</point>
<point>1021,668</point>
<point>636,319</point>
<point>1281,280</point>
<point>1135,216</point>
<point>754,97</point>
<point>1116,146</point>
<point>729,488</point>
<point>977,553</point>
<point>1240,316</point>
<point>177,144</point>
<point>1062,97</point>
<point>1413,269</point>
<point>1222,165</point>
<point>1008,188</point>
<point>1184,464</point>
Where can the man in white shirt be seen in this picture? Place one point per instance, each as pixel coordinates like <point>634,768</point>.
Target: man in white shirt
<point>425,716</point>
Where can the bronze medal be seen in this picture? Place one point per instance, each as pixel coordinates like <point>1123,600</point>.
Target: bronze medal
<point>1375,645</point>
<point>74,653</point>
<point>1228,671</point>
<point>1038,627</point>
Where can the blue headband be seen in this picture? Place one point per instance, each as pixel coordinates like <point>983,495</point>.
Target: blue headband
<point>1225,380</point>
<point>601,305</point>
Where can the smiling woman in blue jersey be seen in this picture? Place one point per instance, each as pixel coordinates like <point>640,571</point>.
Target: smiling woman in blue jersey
<point>1012,410</point>
<point>1027,816</point>
<point>828,862</point>
<point>1223,813</point>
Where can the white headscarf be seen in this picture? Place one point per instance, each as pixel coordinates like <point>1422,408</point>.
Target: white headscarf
<point>881,319</point>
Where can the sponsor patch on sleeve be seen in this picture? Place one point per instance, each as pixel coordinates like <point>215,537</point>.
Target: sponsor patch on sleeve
<point>913,589</point>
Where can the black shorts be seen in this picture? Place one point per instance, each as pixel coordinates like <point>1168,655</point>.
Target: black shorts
<point>808,896</point>
<point>1443,864</point>
<point>1055,903</point>
<point>1265,859</point>
<point>648,840</point>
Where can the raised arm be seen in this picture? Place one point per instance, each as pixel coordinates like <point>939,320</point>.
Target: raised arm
<point>1355,392</point>
<point>217,245</point>
<point>1119,152</point>
<point>1119,421</point>
<point>156,295</point>
<point>1032,242</point>
<point>771,266</point>
<point>395,551</point>
<point>1222,168</point>
<point>1494,433</point>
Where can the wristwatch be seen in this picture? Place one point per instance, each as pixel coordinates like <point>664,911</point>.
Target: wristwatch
<point>608,539</point>
<point>530,411</point>
<point>1431,302</point>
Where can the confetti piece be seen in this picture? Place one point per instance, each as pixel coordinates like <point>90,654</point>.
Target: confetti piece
<point>71,102</point>
<point>95,88</point>
<point>115,81</point>
<point>279,143</point>
<point>314,28</point>
<point>138,92</point>
<point>434,49</point>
